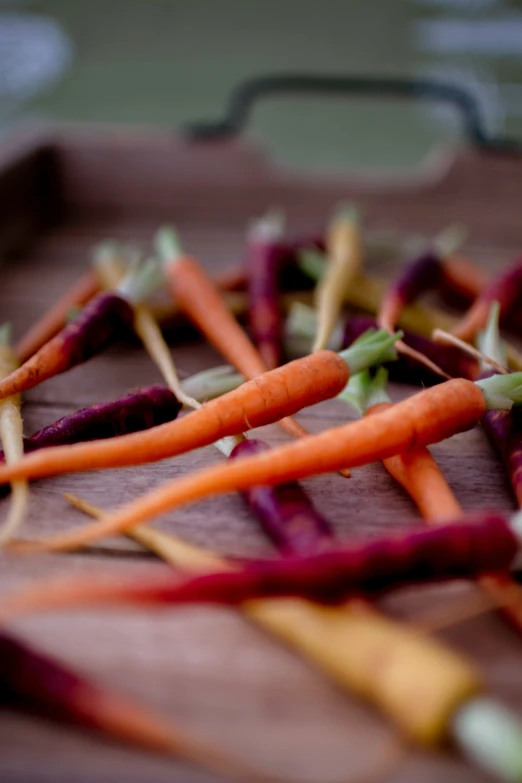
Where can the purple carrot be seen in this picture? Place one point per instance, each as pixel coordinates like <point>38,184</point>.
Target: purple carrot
<point>137,410</point>
<point>406,369</point>
<point>504,430</point>
<point>506,289</point>
<point>264,259</point>
<point>425,273</point>
<point>37,683</point>
<point>104,319</point>
<point>464,548</point>
<point>285,512</point>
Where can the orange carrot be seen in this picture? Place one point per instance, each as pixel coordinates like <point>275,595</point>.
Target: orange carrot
<point>255,403</point>
<point>264,400</point>
<point>56,317</point>
<point>427,417</point>
<point>196,293</point>
<point>418,473</point>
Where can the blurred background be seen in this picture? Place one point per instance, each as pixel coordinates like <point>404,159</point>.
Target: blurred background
<point>165,62</point>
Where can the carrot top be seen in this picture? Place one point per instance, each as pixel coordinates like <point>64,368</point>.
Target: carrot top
<point>364,391</point>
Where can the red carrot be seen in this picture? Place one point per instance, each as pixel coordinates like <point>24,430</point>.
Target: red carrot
<point>285,512</point>
<point>264,256</point>
<point>464,548</point>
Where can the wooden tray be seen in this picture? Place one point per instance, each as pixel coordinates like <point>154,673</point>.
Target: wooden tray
<point>60,193</point>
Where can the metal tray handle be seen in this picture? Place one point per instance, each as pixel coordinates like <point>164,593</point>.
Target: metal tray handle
<point>248,92</point>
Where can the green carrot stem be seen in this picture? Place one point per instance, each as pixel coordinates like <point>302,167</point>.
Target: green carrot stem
<point>490,735</point>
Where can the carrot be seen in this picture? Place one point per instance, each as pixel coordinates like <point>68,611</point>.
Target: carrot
<point>137,410</point>
<point>12,437</point>
<point>505,289</point>
<point>503,428</point>
<point>140,409</point>
<point>197,295</point>
<point>423,273</point>
<point>55,318</point>
<point>462,277</point>
<point>418,473</point>
<point>264,256</point>
<point>344,246</point>
<point>285,512</point>
<point>103,319</point>
<point>427,417</point>
<point>462,548</point>
<point>256,403</point>
<point>367,293</point>
<point>372,655</point>
<point>456,363</point>
<point>34,682</point>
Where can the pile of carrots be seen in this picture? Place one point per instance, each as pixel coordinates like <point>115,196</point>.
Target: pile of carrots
<point>296,347</point>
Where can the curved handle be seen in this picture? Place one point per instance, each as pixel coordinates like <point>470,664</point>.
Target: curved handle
<point>247,93</point>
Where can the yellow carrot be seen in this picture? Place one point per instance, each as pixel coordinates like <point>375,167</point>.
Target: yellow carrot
<point>370,655</point>
<point>11,435</point>
<point>344,245</point>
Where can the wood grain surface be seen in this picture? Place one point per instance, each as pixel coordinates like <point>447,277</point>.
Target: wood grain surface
<point>210,669</point>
